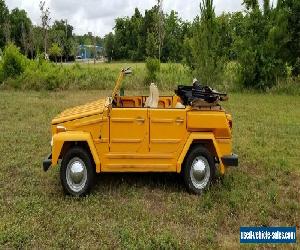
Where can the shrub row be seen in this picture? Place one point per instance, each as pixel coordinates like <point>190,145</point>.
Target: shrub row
<point>18,72</point>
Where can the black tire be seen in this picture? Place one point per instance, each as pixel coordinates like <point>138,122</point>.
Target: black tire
<point>77,155</point>
<point>191,171</point>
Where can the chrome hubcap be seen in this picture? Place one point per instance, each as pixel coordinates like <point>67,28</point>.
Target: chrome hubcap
<point>76,174</point>
<point>200,172</point>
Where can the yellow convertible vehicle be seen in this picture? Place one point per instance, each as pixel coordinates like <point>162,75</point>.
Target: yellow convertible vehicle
<point>188,133</point>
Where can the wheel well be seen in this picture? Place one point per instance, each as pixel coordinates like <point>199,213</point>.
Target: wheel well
<point>208,144</point>
<point>69,144</point>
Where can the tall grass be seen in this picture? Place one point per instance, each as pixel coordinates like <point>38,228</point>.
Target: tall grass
<point>41,75</point>
<point>18,72</point>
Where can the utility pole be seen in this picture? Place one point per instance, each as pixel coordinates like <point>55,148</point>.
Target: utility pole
<point>66,41</point>
<point>45,18</point>
<point>95,50</point>
<point>160,26</point>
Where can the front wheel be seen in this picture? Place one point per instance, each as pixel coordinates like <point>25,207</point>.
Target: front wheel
<point>77,172</point>
<point>199,170</point>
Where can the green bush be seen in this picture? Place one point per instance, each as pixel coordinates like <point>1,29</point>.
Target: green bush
<point>232,79</point>
<point>43,75</point>
<point>13,62</point>
<point>153,68</point>
<point>172,74</point>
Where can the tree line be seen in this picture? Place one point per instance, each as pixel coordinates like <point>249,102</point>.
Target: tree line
<point>52,38</point>
<point>137,37</point>
<point>259,45</point>
<point>255,47</point>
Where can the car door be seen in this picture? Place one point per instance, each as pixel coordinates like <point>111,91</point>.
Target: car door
<point>129,131</point>
<point>167,130</point>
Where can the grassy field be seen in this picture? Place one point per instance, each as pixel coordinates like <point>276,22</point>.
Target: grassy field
<point>147,210</point>
<point>49,76</point>
<point>42,75</point>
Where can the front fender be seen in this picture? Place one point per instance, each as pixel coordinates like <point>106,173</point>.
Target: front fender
<point>73,136</point>
<point>198,137</point>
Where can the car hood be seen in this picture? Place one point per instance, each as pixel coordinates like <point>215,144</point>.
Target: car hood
<point>93,108</point>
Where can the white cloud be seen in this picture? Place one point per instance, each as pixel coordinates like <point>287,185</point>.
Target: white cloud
<point>98,15</point>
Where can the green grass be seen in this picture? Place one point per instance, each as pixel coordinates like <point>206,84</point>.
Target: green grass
<point>147,210</point>
<point>42,75</point>
<point>48,76</point>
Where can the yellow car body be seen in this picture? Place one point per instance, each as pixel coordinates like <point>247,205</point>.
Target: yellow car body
<point>136,139</point>
<point>128,137</point>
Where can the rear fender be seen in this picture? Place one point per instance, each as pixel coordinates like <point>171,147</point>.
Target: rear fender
<point>198,137</point>
<point>73,136</point>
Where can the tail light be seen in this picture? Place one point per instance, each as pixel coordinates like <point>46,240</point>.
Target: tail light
<point>229,119</point>
<point>230,124</point>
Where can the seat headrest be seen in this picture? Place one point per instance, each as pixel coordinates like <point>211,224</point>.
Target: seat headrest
<point>152,100</point>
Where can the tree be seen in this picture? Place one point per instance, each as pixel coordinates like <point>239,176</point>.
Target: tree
<point>258,47</point>
<point>20,26</point>
<point>123,38</point>
<point>109,46</point>
<point>72,46</point>
<point>38,39</point>
<point>137,47</point>
<point>133,36</point>
<point>45,18</point>
<point>150,31</point>
<point>289,18</point>
<point>251,4</point>
<point>31,39</point>
<point>151,46</point>
<point>55,51</point>
<point>160,23</point>
<point>4,25</point>
<point>6,31</point>
<point>62,33</point>
<point>172,49</point>
<point>205,45</point>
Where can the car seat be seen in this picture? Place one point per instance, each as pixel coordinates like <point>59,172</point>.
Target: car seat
<point>152,100</point>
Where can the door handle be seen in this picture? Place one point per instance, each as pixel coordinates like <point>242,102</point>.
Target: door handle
<point>179,120</point>
<point>140,119</point>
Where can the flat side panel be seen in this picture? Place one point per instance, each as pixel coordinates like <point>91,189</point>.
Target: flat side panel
<point>129,130</point>
<point>167,130</point>
<point>209,121</point>
<point>89,124</point>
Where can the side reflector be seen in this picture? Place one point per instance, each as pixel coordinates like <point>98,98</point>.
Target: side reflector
<point>60,129</point>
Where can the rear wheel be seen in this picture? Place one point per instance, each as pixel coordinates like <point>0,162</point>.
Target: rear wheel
<point>77,172</point>
<point>199,170</point>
